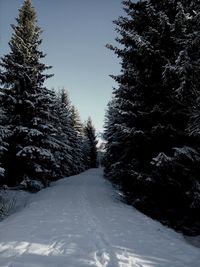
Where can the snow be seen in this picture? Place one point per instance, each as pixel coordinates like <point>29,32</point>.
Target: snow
<point>188,152</point>
<point>80,222</point>
<point>161,159</point>
<point>12,201</point>
<point>2,170</point>
<point>44,153</point>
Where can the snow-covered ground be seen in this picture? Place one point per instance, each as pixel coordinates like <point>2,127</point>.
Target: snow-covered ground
<point>12,201</point>
<point>78,222</point>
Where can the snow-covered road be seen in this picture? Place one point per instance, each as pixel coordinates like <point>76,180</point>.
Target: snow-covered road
<point>78,222</point>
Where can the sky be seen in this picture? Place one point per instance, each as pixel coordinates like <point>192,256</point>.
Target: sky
<point>75,33</point>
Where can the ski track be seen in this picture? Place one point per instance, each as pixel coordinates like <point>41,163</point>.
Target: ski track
<point>104,255</point>
<point>79,222</point>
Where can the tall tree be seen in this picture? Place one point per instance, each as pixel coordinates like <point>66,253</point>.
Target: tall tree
<point>65,133</point>
<point>28,103</point>
<point>149,150</point>
<point>91,140</point>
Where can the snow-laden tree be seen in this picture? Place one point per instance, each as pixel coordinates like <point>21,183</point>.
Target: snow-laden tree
<point>28,102</point>
<point>181,73</point>
<point>135,114</point>
<point>4,134</point>
<point>78,142</point>
<point>150,152</point>
<point>91,142</point>
<point>65,134</point>
<point>112,160</point>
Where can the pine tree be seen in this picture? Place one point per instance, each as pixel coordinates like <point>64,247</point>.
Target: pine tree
<point>90,135</point>
<point>149,150</point>
<point>29,103</point>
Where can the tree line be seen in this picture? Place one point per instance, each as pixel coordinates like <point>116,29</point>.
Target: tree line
<point>153,119</point>
<point>41,135</point>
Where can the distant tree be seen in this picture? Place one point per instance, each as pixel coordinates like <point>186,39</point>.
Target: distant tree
<point>150,152</point>
<point>65,98</point>
<point>65,134</point>
<point>78,142</point>
<point>28,103</point>
<point>91,140</point>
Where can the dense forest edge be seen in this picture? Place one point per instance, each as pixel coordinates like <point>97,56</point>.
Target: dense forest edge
<point>153,119</point>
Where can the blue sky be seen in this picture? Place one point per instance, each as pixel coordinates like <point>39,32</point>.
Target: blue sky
<point>75,33</point>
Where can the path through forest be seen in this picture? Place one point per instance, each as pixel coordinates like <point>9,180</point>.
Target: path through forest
<point>79,222</point>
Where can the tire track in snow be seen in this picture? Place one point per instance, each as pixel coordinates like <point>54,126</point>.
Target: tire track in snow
<point>104,255</point>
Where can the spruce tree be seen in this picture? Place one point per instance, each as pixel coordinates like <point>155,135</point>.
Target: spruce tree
<point>28,103</point>
<point>150,152</point>
<point>65,134</point>
<point>78,142</point>
<point>91,141</point>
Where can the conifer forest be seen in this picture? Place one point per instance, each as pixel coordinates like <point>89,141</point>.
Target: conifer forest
<point>42,136</point>
<point>150,150</point>
<point>152,123</point>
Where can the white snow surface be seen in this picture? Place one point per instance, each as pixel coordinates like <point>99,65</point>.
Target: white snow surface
<point>79,222</point>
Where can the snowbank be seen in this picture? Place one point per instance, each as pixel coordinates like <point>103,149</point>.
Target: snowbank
<point>12,201</point>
